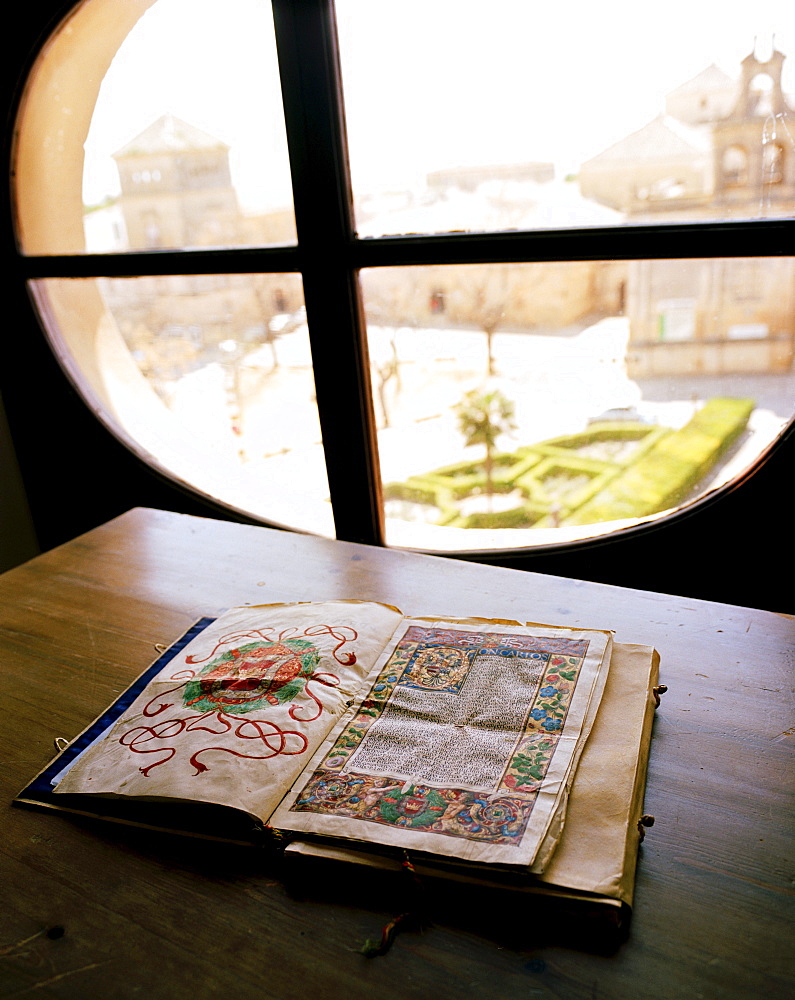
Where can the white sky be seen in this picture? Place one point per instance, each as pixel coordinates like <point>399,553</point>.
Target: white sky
<point>429,83</point>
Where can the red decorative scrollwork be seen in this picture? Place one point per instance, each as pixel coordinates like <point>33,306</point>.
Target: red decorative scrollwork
<point>273,736</point>
<point>276,741</point>
<point>343,633</point>
<point>184,676</point>
<point>333,681</point>
<point>260,733</point>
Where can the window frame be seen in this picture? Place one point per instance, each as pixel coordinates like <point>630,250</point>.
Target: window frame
<point>329,256</point>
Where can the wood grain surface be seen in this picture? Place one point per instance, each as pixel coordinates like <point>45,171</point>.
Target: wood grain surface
<point>93,910</point>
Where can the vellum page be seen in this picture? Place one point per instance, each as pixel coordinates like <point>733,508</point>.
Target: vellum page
<point>598,851</point>
<point>463,744</point>
<point>237,714</point>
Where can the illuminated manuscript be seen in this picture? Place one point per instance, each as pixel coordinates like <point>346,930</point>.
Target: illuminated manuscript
<point>458,737</point>
<point>463,744</point>
<point>477,745</point>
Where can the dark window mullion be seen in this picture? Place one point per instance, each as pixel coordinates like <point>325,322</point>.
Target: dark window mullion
<point>244,260</point>
<point>309,68</point>
<point>757,238</point>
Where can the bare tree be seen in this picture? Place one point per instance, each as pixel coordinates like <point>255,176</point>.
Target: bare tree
<point>484,303</point>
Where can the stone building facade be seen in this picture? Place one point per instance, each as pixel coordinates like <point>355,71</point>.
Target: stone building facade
<point>729,154</point>
<point>176,188</point>
<point>177,191</point>
<point>723,148</point>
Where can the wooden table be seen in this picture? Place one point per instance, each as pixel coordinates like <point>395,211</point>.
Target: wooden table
<point>107,911</point>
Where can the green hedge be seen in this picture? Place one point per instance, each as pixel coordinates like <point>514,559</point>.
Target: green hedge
<point>665,474</point>
<point>517,517</point>
<point>659,473</point>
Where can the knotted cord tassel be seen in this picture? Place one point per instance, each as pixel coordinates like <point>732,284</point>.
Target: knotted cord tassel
<point>371,948</point>
<point>411,918</point>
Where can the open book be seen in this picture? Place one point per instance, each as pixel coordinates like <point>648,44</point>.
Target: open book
<point>487,749</point>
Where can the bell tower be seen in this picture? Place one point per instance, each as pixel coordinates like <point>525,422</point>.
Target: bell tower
<point>176,188</point>
<point>754,151</point>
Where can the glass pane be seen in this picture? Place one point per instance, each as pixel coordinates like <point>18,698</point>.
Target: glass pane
<point>150,125</point>
<point>517,115</point>
<point>535,403</point>
<point>208,377</point>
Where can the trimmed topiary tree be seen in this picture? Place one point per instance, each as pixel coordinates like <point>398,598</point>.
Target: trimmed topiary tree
<point>482,418</point>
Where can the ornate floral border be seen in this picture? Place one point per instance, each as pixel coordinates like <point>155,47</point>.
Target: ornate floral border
<point>496,817</point>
